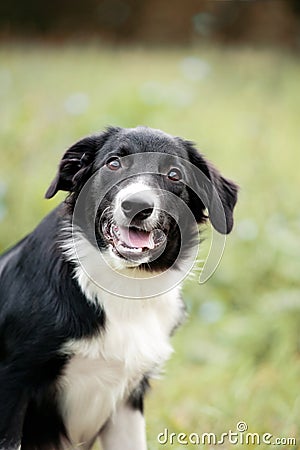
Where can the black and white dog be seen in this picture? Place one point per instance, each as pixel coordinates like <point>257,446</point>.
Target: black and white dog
<point>89,299</point>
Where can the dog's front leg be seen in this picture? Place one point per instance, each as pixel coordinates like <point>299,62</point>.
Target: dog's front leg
<point>125,430</point>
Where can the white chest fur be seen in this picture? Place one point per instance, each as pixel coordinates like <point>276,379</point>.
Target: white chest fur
<point>103,371</point>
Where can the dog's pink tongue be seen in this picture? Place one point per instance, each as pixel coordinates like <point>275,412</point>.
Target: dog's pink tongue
<point>135,238</point>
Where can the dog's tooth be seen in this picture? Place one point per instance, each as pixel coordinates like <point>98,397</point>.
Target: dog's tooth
<point>151,241</point>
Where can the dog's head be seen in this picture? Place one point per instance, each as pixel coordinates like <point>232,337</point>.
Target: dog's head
<point>146,191</point>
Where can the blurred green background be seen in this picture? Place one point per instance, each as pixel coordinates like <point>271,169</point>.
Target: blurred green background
<point>238,356</point>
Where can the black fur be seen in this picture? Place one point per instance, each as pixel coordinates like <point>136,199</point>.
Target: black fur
<point>41,308</point>
<point>136,399</point>
<point>41,304</point>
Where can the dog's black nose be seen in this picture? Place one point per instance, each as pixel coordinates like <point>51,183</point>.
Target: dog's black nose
<point>139,206</point>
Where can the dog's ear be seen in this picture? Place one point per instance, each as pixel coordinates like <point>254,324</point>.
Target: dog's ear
<point>77,163</point>
<point>219,193</point>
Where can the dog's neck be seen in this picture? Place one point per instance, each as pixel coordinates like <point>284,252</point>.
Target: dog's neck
<point>101,279</point>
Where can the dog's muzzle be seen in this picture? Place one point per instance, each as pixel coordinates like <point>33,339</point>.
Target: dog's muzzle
<point>133,233</point>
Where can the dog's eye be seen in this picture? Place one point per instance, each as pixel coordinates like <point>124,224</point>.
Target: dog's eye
<point>174,174</point>
<point>114,163</point>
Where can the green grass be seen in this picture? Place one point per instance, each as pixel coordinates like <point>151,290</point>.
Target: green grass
<point>238,356</point>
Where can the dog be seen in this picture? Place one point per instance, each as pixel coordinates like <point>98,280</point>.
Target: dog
<point>89,299</point>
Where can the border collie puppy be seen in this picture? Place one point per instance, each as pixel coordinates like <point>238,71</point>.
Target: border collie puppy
<point>89,299</point>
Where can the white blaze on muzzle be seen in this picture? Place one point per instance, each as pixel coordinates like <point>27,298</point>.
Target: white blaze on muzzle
<point>151,200</point>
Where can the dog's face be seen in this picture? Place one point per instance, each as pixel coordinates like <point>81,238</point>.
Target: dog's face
<point>146,192</point>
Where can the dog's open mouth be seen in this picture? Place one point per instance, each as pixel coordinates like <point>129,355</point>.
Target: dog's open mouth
<point>134,243</point>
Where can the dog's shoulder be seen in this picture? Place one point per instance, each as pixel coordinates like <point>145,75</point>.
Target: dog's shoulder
<point>41,303</point>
